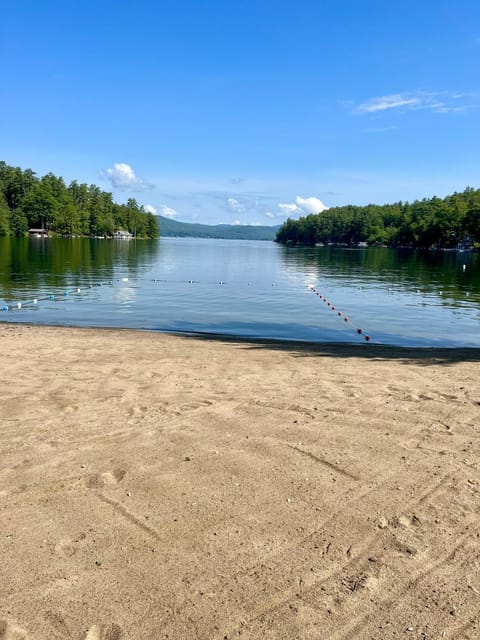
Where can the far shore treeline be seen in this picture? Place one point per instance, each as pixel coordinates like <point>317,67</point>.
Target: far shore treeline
<point>429,223</point>
<point>27,201</point>
<point>79,209</point>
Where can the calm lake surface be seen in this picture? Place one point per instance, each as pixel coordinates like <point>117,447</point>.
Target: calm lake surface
<point>244,288</point>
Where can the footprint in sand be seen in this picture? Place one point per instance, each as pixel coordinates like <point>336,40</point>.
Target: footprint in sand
<point>10,631</point>
<point>104,632</point>
<point>99,480</point>
<point>137,411</point>
<point>57,623</point>
<point>67,547</point>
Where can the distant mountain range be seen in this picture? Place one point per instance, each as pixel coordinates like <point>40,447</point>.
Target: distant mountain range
<point>176,229</point>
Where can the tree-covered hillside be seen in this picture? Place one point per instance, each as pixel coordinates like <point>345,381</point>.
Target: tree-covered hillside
<point>170,227</point>
<point>434,222</point>
<point>27,201</point>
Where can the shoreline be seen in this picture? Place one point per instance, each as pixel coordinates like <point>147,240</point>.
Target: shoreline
<point>157,485</point>
<point>441,352</point>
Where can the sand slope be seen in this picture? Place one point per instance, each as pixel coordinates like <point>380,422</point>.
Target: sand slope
<point>155,486</point>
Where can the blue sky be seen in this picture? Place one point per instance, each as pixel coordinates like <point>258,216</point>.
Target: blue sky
<point>227,111</point>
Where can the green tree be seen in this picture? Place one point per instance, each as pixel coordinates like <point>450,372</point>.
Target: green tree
<point>18,222</point>
<point>15,184</point>
<point>4,216</point>
<point>80,197</point>
<point>472,223</point>
<point>153,229</point>
<point>41,207</point>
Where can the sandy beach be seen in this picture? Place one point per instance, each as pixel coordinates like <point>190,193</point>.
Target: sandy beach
<point>156,486</point>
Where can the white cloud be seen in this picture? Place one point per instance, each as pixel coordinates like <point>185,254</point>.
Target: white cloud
<point>269,214</point>
<point>150,209</point>
<point>167,212</point>
<point>437,102</point>
<point>310,205</point>
<point>303,206</point>
<point>235,205</point>
<point>289,207</point>
<point>387,102</point>
<point>122,176</point>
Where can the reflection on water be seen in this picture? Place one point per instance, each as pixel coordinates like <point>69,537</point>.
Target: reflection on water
<point>246,288</point>
<point>33,264</point>
<point>448,274</point>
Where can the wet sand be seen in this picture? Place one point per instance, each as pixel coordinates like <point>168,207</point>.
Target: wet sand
<point>156,486</point>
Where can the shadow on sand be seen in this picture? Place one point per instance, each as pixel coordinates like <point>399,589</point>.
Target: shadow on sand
<point>409,355</point>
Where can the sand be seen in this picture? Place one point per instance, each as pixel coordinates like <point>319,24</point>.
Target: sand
<point>156,486</point>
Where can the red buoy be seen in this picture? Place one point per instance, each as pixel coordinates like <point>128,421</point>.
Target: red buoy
<point>359,331</point>
<point>339,313</point>
<point>346,319</point>
<point>367,338</point>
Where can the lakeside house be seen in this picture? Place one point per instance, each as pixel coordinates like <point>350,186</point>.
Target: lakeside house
<point>122,235</point>
<point>466,244</point>
<point>38,233</point>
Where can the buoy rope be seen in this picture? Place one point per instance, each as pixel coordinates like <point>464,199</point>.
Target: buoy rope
<point>76,290</point>
<point>340,314</point>
<point>56,296</point>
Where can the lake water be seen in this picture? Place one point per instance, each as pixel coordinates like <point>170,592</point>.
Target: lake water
<point>244,288</point>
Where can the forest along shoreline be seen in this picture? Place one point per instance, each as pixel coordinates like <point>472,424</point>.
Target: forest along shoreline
<point>48,206</point>
<point>449,223</point>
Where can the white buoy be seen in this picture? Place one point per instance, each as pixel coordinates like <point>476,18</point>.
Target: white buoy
<point>35,301</point>
<point>19,305</point>
<point>124,279</point>
<point>464,267</point>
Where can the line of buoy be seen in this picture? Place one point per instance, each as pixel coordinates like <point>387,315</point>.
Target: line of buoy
<point>66,293</point>
<point>171,281</point>
<point>340,314</point>
<point>52,296</point>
